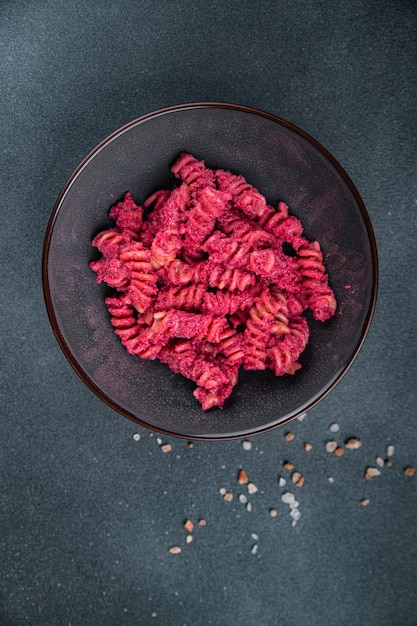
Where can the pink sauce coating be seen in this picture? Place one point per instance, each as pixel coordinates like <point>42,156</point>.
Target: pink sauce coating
<point>203,283</point>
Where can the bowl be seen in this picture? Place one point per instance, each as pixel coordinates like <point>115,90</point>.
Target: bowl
<point>284,164</point>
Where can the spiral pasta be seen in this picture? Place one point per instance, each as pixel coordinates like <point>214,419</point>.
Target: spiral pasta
<point>136,259</point>
<point>245,197</point>
<point>203,282</point>
<point>283,355</point>
<point>320,298</point>
<point>268,316</point>
<point>193,172</point>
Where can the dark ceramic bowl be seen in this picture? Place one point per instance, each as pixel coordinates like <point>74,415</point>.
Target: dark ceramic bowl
<point>284,163</point>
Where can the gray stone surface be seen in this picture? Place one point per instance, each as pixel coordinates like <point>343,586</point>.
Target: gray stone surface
<point>88,513</point>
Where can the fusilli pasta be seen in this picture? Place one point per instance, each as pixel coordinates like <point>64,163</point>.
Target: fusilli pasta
<point>204,282</point>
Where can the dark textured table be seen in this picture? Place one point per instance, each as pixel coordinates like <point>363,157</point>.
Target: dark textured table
<point>90,503</point>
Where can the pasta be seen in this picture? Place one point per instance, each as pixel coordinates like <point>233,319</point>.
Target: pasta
<point>209,278</point>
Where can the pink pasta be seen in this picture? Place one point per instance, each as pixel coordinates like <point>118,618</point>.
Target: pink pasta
<point>203,281</point>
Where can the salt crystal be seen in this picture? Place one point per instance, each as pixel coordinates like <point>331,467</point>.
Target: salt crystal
<point>302,417</point>
<point>189,538</point>
<point>254,536</point>
<point>295,477</point>
<point>390,450</point>
<point>246,445</point>
<point>353,443</point>
<point>175,550</point>
<point>242,477</point>
<point>254,549</point>
<point>273,512</point>
<point>242,498</point>
<point>331,479</point>
<point>222,491</point>
<point>331,446</point>
<point>252,488</point>
<point>379,461</point>
<point>295,514</point>
<point>371,472</point>
<point>334,428</point>
<point>249,507</point>
<point>288,497</point>
<point>188,525</point>
<point>282,482</point>
<point>136,437</point>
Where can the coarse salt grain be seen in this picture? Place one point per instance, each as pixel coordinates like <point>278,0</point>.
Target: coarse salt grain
<point>330,446</point>
<point>242,477</point>
<point>288,497</point>
<point>136,437</point>
<point>189,538</point>
<point>364,502</point>
<point>254,536</point>
<point>379,461</point>
<point>334,428</point>
<point>353,443</point>
<point>300,482</point>
<point>202,522</point>
<point>289,436</point>
<point>242,498</point>
<point>307,446</point>
<point>222,491</point>
<point>228,496</point>
<point>158,441</point>
<point>302,417</point>
<point>330,479</point>
<point>254,549</point>
<point>246,445</point>
<point>175,550</point>
<point>295,514</point>
<point>288,465</point>
<point>166,448</point>
<point>252,488</point>
<point>409,471</point>
<point>295,476</point>
<point>188,525</point>
<point>371,472</point>
<point>249,507</point>
<point>190,444</point>
<point>282,482</point>
<point>390,450</point>
<point>273,512</point>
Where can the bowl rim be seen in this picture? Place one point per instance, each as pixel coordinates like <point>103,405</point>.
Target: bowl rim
<point>50,306</point>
